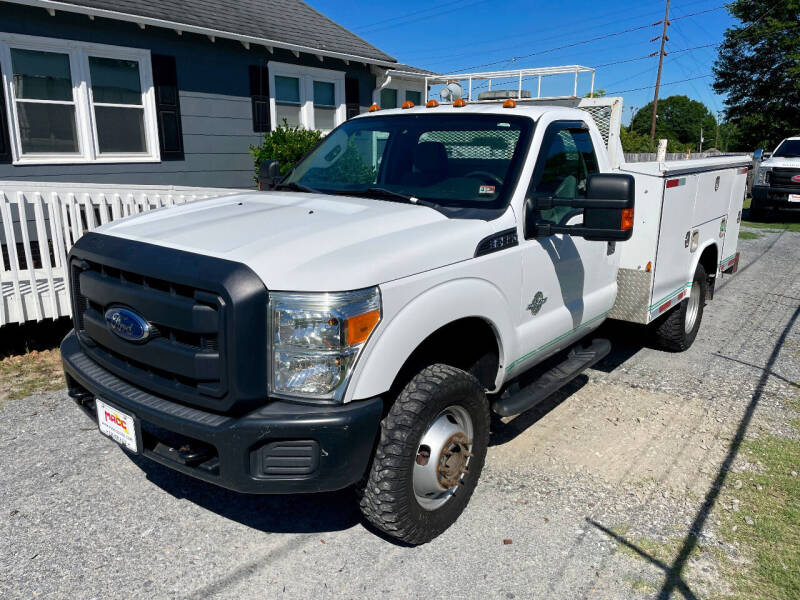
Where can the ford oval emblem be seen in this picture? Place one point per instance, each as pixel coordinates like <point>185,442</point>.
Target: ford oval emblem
<point>126,324</point>
<point>796,178</point>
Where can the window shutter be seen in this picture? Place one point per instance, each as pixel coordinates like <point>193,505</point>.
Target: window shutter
<point>168,109</point>
<point>259,97</point>
<point>5,144</point>
<point>351,97</point>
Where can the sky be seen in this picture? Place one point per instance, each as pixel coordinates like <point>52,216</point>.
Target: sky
<point>485,35</point>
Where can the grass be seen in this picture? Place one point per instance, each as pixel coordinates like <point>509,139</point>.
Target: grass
<point>771,499</point>
<point>25,374</point>
<point>748,235</point>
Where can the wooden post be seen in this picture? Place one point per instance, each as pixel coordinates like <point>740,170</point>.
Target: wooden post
<point>658,77</point>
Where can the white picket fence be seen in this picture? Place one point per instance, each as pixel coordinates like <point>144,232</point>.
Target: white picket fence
<point>39,223</point>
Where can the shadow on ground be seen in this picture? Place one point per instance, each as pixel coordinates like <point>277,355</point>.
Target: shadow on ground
<point>45,335</point>
<point>290,513</point>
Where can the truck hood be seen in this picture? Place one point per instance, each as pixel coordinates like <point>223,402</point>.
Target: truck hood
<point>311,242</point>
<point>781,162</point>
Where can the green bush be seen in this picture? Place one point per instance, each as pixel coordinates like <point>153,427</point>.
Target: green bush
<point>285,144</point>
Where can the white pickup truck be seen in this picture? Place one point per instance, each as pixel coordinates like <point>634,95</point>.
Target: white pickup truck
<point>776,185</point>
<point>420,269</point>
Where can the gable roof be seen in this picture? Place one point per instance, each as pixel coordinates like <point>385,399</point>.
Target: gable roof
<point>291,24</point>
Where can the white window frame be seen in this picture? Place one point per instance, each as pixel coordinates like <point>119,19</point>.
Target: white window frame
<point>307,77</point>
<point>86,126</point>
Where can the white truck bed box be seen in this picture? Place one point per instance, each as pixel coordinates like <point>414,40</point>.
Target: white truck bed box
<point>682,207</point>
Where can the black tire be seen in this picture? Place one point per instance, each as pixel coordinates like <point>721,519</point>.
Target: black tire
<point>388,500</point>
<point>670,333</point>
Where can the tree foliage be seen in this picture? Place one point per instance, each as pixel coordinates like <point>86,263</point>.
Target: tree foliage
<point>285,144</point>
<point>679,121</point>
<point>758,68</point>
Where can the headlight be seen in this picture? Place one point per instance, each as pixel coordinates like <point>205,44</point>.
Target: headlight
<point>317,338</point>
<point>761,178</point>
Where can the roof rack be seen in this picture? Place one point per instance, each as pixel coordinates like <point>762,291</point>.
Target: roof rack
<point>520,75</point>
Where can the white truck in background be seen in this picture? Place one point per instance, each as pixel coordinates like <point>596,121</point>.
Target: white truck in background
<point>356,324</point>
<point>776,185</point>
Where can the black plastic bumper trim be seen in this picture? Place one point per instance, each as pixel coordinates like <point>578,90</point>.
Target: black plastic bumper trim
<point>345,434</point>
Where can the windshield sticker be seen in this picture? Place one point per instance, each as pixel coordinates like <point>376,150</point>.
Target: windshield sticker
<point>486,189</point>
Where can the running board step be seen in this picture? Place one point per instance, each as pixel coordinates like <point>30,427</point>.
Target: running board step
<point>578,360</point>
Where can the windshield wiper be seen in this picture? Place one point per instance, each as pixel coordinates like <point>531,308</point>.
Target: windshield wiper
<point>381,193</point>
<point>296,187</point>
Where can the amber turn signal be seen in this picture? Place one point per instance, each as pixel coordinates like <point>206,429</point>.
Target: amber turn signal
<point>509,104</point>
<point>374,107</point>
<point>408,104</point>
<point>360,326</point>
<point>432,103</point>
<point>627,219</point>
<point>459,103</point>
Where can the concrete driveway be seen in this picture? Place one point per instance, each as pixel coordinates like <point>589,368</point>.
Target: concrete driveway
<point>634,450</point>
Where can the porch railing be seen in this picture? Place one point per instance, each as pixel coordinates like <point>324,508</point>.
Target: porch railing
<point>39,223</point>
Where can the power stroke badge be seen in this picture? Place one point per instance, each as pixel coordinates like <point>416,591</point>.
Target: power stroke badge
<point>536,304</point>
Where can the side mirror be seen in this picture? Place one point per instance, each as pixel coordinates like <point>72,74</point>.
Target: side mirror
<point>758,155</point>
<point>269,174</point>
<point>607,210</point>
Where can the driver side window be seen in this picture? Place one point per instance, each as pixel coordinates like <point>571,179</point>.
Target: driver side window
<point>566,160</point>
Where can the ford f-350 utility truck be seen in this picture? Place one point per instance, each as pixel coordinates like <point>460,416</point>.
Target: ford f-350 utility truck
<point>420,269</point>
<point>777,180</point>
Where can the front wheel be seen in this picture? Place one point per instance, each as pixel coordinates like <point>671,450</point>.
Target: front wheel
<point>678,329</point>
<point>429,457</point>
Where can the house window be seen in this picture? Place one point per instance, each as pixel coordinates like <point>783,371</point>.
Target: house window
<point>287,100</point>
<point>307,97</point>
<point>71,102</point>
<point>415,97</point>
<point>388,98</point>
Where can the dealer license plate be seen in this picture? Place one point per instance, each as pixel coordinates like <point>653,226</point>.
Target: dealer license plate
<point>794,197</point>
<point>117,425</point>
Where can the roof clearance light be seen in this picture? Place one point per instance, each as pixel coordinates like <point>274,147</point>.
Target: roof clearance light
<point>459,103</point>
<point>509,104</point>
<point>374,107</point>
<point>432,103</point>
<point>408,104</point>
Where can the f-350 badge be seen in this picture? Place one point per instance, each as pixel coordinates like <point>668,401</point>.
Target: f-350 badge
<point>536,304</point>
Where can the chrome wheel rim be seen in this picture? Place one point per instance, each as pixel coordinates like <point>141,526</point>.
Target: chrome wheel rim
<point>692,307</point>
<point>443,457</point>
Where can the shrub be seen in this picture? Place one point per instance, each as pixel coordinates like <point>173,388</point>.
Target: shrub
<point>285,144</point>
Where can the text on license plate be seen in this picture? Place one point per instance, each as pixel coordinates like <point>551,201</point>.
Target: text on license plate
<point>117,425</point>
<point>794,197</point>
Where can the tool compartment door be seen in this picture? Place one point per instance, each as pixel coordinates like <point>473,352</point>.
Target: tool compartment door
<point>673,258</point>
<point>731,239</point>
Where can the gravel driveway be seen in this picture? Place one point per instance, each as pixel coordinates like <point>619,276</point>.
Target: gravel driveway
<point>631,451</point>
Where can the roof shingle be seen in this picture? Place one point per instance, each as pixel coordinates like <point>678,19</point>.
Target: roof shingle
<point>288,21</point>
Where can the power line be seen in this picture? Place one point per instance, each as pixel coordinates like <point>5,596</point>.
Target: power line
<point>406,15</point>
<point>437,13</point>
<point>650,87</point>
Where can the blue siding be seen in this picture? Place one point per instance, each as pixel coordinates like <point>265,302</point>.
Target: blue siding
<point>206,70</point>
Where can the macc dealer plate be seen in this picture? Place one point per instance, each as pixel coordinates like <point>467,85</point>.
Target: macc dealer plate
<point>794,197</point>
<point>117,425</point>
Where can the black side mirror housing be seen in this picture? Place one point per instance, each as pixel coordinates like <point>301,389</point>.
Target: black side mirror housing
<point>269,174</point>
<point>607,210</point>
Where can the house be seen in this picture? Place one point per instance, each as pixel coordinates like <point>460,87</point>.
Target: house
<point>173,92</point>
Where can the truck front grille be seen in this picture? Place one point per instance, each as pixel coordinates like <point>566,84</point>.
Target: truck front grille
<point>782,178</point>
<point>181,358</point>
<point>207,345</point>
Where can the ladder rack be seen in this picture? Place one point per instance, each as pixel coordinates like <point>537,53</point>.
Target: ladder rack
<point>520,75</point>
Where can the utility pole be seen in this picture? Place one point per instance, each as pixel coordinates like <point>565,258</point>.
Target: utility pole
<point>664,39</point>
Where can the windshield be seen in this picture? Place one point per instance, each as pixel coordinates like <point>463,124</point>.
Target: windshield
<point>788,149</point>
<point>465,160</point>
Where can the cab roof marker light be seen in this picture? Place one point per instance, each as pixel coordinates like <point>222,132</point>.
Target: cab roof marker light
<point>509,104</point>
<point>374,107</point>
<point>431,103</point>
<point>407,104</point>
<point>459,103</point>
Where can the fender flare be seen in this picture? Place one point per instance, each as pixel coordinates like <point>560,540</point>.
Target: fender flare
<point>417,319</point>
<point>699,253</point>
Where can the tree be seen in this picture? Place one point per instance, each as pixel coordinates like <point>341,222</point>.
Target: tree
<point>679,121</point>
<point>285,144</point>
<point>758,68</point>
<point>597,94</point>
